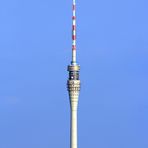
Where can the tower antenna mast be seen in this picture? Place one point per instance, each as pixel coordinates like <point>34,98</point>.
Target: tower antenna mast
<point>74,32</point>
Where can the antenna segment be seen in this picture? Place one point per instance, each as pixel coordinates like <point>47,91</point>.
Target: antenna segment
<point>74,32</point>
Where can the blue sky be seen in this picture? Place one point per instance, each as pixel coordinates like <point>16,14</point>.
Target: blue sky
<point>35,49</point>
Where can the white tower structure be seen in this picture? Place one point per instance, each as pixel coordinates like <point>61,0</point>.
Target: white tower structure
<point>73,83</point>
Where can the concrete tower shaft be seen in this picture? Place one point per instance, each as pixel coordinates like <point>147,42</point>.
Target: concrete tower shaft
<point>73,85</point>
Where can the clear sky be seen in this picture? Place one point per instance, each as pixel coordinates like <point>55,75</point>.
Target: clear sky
<point>35,49</point>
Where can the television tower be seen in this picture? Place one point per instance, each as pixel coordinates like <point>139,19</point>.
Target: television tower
<point>73,83</point>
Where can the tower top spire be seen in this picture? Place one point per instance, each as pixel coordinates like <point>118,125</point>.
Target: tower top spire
<point>73,33</point>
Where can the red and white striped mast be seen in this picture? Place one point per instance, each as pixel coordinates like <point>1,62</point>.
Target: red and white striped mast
<point>74,32</point>
<point>73,83</point>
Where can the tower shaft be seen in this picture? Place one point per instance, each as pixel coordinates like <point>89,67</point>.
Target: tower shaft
<point>73,139</point>
<point>73,88</point>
